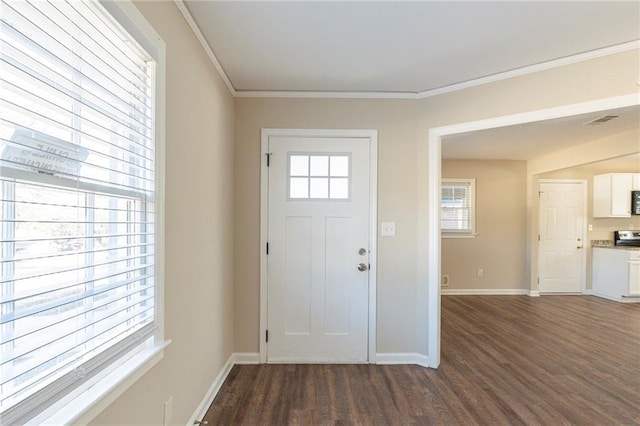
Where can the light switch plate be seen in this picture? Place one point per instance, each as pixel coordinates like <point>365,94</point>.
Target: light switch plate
<point>388,229</point>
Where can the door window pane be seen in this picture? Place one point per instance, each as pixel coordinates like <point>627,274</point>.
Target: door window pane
<point>319,188</point>
<point>299,165</point>
<point>340,165</point>
<point>319,165</point>
<point>299,187</point>
<point>339,188</point>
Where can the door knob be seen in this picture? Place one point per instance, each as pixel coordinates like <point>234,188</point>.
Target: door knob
<point>579,247</point>
<point>362,267</point>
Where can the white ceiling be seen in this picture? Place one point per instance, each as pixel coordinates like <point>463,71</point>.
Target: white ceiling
<point>418,47</point>
<point>532,140</point>
<point>400,46</point>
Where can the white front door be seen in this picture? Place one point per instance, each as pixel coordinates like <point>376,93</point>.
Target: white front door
<point>562,215</point>
<point>318,258</point>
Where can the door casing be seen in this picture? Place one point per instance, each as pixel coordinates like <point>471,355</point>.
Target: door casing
<point>368,136</point>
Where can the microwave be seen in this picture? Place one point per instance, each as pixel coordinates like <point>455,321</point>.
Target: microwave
<point>635,202</point>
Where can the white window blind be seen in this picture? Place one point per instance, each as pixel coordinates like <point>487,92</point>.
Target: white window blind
<point>457,213</point>
<point>77,199</point>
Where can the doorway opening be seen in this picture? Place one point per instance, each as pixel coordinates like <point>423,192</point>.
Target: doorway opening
<point>432,248</point>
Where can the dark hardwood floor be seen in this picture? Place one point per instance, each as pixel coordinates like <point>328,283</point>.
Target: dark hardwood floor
<point>506,360</point>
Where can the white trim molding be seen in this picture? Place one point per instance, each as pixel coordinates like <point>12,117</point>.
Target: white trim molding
<point>205,45</point>
<point>533,293</point>
<point>246,358</point>
<point>211,394</point>
<point>400,358</point>
<point>483,292</point>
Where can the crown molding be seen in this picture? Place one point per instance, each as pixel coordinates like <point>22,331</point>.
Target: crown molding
<point>203,42</point>
<point>324,95</point>
<point>543,66</point>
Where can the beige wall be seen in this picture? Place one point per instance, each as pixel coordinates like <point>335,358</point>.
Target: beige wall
<point>499,247</point>
<point>199,232</point>
<point>395,122</point>
<point>402,177</point>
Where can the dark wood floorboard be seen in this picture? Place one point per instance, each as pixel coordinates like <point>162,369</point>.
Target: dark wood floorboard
<point>506,360</point>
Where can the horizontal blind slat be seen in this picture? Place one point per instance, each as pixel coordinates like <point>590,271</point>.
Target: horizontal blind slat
<point>104,300</point>
<point>79,324</point>
<point>66,286</point>
<point>30,366</point>
<point>38,36</point>
<point>102,325</point>
<point>21,413</point>
<point>90,87</point>
<point>79,268</point>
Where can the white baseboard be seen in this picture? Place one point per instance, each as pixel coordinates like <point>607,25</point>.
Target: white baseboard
<point>482,292</point>
<point>588,292</point>
<point>402,358</point>
<point>235,358</point>
<point>533,293</point>
<point>213,391</point>
<point>240,358</point>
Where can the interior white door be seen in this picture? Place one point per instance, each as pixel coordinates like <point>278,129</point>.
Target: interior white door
<point>318,258</point>
<point>562,215</point>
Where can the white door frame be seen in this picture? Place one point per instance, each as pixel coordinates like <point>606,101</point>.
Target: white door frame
<point>434,160</point>
<point>371,136</point>
<point>583,256</point>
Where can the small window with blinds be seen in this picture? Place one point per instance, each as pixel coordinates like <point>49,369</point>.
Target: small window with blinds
<point>457,213</point>
<point>77,165</point>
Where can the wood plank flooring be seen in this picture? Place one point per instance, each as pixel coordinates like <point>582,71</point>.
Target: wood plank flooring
<point>506,360</point>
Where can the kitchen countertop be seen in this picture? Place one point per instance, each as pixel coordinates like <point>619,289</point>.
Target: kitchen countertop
<point>609,244</point>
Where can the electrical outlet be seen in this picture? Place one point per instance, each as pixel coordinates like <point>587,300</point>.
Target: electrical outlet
<point>168,411</point>
<point>590,227</point>
<point>480,272</point>
<point>445,281</point>
<point>388,229</point>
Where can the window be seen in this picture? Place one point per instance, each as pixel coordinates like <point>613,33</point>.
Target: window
<point>318,177</point>
<point>78,200</point>
<point>457,212</point>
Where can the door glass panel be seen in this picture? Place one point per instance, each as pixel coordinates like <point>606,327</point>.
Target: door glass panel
<point>339,188</point>
<point>319,166</point>
<point>319,188</point>
<point>299,187</point>
<point>299,165</point>
<point>340,165</point>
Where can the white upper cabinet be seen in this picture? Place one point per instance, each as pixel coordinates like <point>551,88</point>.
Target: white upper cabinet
<point>612,194</point>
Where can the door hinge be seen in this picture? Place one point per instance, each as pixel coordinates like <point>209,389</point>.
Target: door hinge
<point>266,336</point>
<point>538,280</point>
<point>538,237</point>
<point>267,249</point>
<point>268,154</point>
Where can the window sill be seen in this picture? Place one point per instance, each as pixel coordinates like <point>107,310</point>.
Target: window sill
<point>458,235</point>
<point>89,400</point>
